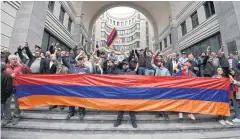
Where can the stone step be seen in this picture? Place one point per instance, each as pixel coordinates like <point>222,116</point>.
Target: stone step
<point>72,127</point>
<point>229,134</point>
<point>112,117</point>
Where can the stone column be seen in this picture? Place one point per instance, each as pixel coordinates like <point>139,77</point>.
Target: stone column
<point>29,24</point>
<point>229,21</point>
<point>174,34</point>
<point>77,25</point>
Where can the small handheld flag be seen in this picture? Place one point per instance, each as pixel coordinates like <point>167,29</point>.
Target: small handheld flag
<point>112,38</point>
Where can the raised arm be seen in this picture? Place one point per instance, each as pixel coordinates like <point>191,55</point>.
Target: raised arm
<point>28,52</point>
<point>153,65</point>
<point>137,53</point>
<point>23,58</point>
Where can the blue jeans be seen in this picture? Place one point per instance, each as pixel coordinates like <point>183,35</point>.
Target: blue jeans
<point>149,72</point>
<point>141,71</point>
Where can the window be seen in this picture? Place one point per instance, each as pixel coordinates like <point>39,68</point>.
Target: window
<point>117,23</point>
<point>160,46</point>
<point>107,19</point>
<point>138,26</point>
<point>209,8</point>
<point>61,16</point>
<point>170,38</point>
<point>48,39</point>
<point>184,28</point>
<point>165,43</point>
<point>194,18</point>
<point>51,6</point>
<point>122,24</point>
<point>110,21</point>
<point>69,24</point>
<point>113,22</point>
<point>102,34</point>
<point>138,16</point>
<point>103,25</point>
<point>129,22</point>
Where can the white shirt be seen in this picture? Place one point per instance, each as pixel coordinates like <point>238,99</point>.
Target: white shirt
<point>174,63</point>
<point>50,64</point>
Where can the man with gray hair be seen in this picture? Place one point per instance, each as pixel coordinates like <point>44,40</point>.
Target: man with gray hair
<point>215,61</point>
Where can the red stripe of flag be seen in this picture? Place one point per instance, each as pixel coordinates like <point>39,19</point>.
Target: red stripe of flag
<point>110,36</point>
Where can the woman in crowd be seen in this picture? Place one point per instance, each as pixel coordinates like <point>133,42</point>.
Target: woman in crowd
<point>186,72</point>
<point>14,67</point>
<point>222,119</point>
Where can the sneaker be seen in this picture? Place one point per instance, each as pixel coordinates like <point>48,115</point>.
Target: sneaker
<point>61,108</point>
<point>166,118</point>
<point>117,123</point>
<point>236,120</point>
<point>81,116</point>
<point>222,122</point>
<point>69,115</point>
<point>134,124</point>
<point>191,116</point>
<point>15,120</point>
<point>229,123</point>
<point>158,115</point>
<point>5,122</point>
<point>180,115</point>
<point>52,107</point>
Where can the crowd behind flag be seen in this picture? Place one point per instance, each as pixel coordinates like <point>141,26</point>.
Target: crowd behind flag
<point>146,88</point>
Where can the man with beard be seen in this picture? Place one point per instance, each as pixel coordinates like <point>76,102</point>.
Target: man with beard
<point>36,63</point>
<point>133,61</point>
<point>194,66</point>
<point>142,61</point>
<point>126,71</point>
<point>161,71</point>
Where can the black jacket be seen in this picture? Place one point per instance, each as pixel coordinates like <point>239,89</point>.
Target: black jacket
<point>194,64</point>
<point>6,87</point>
<point>224,62</point>
<point>126,72</point>
<point>32,59</point>
<point>206,67</point>
<point>22,57</point>
<point>47,68</point>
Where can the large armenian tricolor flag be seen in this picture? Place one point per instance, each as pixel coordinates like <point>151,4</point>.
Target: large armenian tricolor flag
<point>125,92</point>
<point>112,38</point>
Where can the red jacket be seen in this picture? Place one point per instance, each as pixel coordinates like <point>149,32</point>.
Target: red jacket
<point>17,69</point>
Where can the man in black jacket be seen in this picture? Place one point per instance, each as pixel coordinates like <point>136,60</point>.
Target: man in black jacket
<point>142,61</point>
<point>224,63</point>
<point>36,63</point>
<point>126,71</point>
<point>6,91</point>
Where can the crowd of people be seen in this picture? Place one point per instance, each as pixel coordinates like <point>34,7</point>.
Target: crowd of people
<point>137,62</point>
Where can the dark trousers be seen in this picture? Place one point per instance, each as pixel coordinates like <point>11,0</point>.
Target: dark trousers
<point>80,109</point>
<point>131,113</point>
<point>220,117</point>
